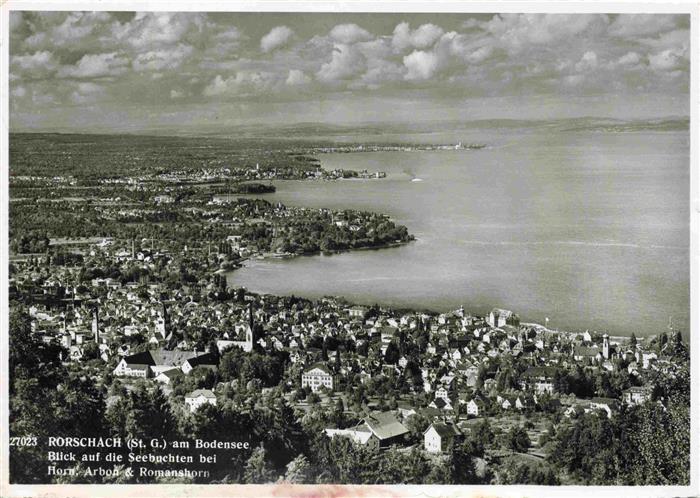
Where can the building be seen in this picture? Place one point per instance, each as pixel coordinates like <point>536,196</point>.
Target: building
<point>206,360</point>
<point>385,428</point>
<point>636,395</point>
<point>378,430</point>
<point>168,376</point>
<point>606,346</point>
<point>608,405</point>
<point>439,437</point>
<point>541,379</point>
<point>473,408</point>
<point>359,435</point>
<point>357,311</point>
<point>152,363</point>
<point>499,317</point>
<point>199,397</point>
<point>318,375</point>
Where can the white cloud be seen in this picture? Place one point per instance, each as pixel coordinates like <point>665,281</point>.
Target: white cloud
<point>244,83</point>
<point>87,93</point>
<point>176,94</point>
<point>422,37</point>
<point>635,25</point>
<point>95,66</point>
<point>157,29</point>
<point>518,32</point>
<point>588,61</point>
<point>349,33</point>
<point>277,37</point>
<point>668,60</point>
<point>157,60</point>
<point>42,62</point>
<point>78,25</point>
<point>347,61</point>
<point>479,55</point>
<point>629,59</point>
<point>421,65</point>
<point>297,77</point>
<point>230,34</point>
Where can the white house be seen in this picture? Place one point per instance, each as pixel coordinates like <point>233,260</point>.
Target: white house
<point>439,436</point>
<point>198,397</point>
<point>473,408</point>
<point>318,375</point>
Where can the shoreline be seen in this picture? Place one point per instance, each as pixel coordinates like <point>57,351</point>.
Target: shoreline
<point>402,309</point>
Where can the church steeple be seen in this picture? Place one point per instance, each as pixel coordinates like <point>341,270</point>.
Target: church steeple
<point>96,324</point>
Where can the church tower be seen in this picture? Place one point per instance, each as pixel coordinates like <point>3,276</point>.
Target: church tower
<point>249,333</point>
<point>163,322</point>
<point>96,324</point>
<point>606,346</point>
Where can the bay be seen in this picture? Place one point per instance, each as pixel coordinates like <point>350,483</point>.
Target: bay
<point>590,229</point>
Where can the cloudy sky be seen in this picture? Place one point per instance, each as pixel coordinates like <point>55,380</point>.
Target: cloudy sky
<point>132,71</point>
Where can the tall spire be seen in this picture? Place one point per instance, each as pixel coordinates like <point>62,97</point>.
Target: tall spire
<point>96,324</point>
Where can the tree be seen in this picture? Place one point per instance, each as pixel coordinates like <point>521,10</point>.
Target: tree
<point>462,465</point>
<point>518,440</point>
<point>298,471</point>
<point>257,469</point>
<point>337,360</point>
<point>392,354</point>
<point>91,351</point>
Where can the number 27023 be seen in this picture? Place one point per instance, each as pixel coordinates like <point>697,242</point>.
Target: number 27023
<point>23,441</point>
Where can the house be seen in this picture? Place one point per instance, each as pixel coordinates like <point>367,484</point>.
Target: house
<point>636,395</point>
<point>406,410</point>
<point>442,392</point>
<point>473,408</point>
<point>357,311</point>
<point>318,375</point>
<point>206,360</point>
<point>441,404</point>
<point>588,354</point>
<point>168,376</point>
<point>385,427</point>
<point>378,430</point>
<point>605,404</point>
<point>541,379</point>
<point>152,363</point>
<point>439,437</point>
<point>500,317</point>
<point>135,365</point>
<point>199,397</point>
<point>359,435</point>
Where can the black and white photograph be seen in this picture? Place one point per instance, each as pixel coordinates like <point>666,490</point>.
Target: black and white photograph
<point>341,245</point>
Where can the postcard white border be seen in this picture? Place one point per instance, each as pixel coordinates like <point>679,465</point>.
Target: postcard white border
<point>349,6</point>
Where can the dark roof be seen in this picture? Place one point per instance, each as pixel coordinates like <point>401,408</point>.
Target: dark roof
<point>204,359</point>
<point>143,358</point>
<point>384,425</point>
<point>585,351</point>
<point>445,430</point>
<point>605,401</point>
<point>173,358</point>
<point>320,366</point>
<point>440,403</point>
<point>546,372</point>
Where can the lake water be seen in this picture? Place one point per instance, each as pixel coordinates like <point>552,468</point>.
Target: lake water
<point>589,229</point>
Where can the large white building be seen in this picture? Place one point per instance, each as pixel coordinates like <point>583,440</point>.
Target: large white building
<point>499,317</point>
<point>318,375</point>
<point>199,397</point>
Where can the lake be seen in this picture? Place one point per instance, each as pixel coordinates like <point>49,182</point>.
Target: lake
<point>590,229</point>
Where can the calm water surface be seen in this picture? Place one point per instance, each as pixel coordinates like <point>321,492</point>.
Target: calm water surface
<point>588,229</point>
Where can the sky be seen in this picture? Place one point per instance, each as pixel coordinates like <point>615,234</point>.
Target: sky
<point>125,71</point>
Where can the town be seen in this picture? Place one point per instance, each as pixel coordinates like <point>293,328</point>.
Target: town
<point>124,324</point>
